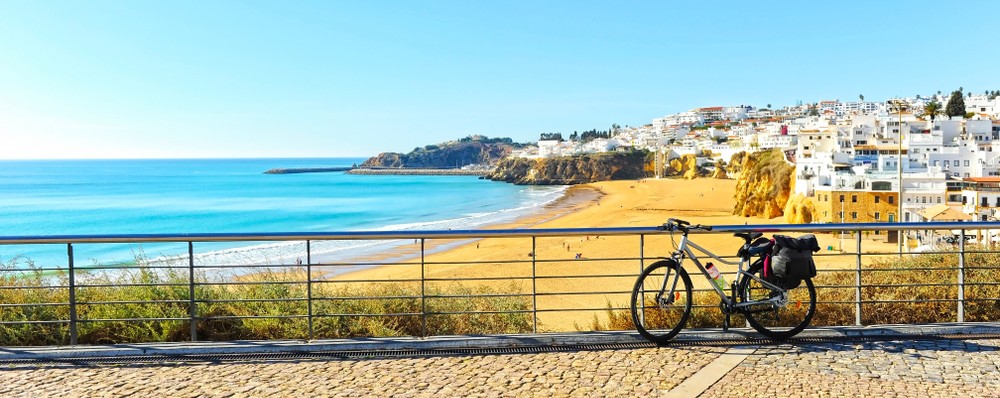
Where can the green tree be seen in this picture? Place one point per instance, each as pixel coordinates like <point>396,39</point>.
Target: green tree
<point>956,104</point>
<point>813,110</point>
<point>933,109</point>
<point>768,106</point>
<point>861,97</point>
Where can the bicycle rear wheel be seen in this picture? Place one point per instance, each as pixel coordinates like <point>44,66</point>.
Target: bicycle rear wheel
<point>657,314</point>
<point>777,321</point>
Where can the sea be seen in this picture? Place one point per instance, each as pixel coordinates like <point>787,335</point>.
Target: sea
<point>183,196</point>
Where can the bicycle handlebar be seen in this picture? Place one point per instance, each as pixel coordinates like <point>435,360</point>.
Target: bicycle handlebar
<point>683,226</point>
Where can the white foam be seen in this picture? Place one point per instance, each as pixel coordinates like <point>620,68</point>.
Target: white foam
<point>283,253</point>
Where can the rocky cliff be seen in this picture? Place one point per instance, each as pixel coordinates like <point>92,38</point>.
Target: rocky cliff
<point>470,150</point>
<point>800,209</point>
<point>572,169</point>
<point>685,167</point>
<point>764,184</point>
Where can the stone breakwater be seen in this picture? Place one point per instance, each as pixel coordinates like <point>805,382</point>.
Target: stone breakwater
<point>407,171</point>
<point>308,170</point>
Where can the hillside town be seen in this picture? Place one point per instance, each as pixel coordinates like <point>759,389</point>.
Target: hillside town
<point>847,154</point>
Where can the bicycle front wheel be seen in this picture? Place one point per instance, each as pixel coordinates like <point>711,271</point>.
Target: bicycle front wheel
<point>661,301</point>
<point>777,321</point>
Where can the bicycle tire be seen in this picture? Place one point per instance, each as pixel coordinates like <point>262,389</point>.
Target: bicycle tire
<point>782,322</point>
<point>659,323</point>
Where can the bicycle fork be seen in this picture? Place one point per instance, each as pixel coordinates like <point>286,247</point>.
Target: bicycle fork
<point>670,296</point>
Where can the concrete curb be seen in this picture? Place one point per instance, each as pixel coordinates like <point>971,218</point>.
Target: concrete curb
<point>470,342</point>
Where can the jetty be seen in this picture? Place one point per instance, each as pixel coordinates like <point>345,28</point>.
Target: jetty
<point>308,170</point>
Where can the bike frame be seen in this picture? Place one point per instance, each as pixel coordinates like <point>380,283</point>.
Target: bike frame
<point>684,251</point>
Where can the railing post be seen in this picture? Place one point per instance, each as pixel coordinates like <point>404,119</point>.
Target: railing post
<point>309,288</point>
<point>534,291</point>
<point>961,278</point>
<point>72,295</point>
<point>642,252</point>
<point>642,266</point>
<point>192,310</point>
<point>857,283</point>
<point>423,291</point>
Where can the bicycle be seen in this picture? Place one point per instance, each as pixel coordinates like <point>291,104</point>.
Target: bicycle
<point>660,308</point>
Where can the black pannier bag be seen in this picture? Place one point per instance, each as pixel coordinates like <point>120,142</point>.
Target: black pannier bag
<point>791,259</point>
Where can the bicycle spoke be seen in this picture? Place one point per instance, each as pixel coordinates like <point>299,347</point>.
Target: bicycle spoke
<point>661,301</point>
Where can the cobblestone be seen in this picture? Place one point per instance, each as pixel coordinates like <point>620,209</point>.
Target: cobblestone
<point>945,368</point>
<point>891,369</point>
<point>586,373</point>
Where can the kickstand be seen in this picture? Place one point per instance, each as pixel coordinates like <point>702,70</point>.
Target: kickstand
<point>725,323</point>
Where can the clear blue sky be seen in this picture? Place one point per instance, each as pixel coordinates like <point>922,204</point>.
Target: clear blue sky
<point>95,79</point>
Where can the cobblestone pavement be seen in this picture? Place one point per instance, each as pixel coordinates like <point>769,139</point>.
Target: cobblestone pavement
<point>945,368</point>
<point>884,369</point>
<point>635,372</point>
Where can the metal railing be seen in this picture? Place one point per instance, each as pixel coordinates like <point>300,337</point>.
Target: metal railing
<point>419,289</point>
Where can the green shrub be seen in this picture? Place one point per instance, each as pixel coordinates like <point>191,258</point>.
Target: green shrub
<point>143,304</point>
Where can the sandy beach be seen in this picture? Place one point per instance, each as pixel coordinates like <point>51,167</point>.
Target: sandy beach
<point>565,281</point>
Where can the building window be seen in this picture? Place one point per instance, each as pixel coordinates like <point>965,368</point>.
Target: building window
<point>956,163</point>
<point>939,201</point>
<point>936,163</point>
<point>892,217</point>
<point>854,198</point>
<point>854,215</point>
<point>841,198</point>
<point>923,199</point>
<point>966,163</point>
<point>877,216</point>
<point>876,199</point>
<point>985,203</point>
<point>891,198</point>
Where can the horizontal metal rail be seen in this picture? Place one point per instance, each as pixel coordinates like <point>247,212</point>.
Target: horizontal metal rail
<point>520,294</point>
<point>479,234</point>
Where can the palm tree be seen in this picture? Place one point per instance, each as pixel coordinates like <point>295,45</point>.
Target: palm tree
<point>861,97</point>
<point>933,109</point>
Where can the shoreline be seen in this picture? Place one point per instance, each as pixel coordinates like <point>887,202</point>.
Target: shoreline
<point>573,199</point>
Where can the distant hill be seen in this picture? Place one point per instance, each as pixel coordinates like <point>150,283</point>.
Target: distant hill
<point>471,150</point>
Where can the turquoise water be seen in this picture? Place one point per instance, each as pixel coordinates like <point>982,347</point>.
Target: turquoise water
<point>234,196</point>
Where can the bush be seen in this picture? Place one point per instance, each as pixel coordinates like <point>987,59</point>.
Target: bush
<point>142,304</point>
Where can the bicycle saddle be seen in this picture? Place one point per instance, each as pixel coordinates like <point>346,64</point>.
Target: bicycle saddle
<point>748,236</point>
